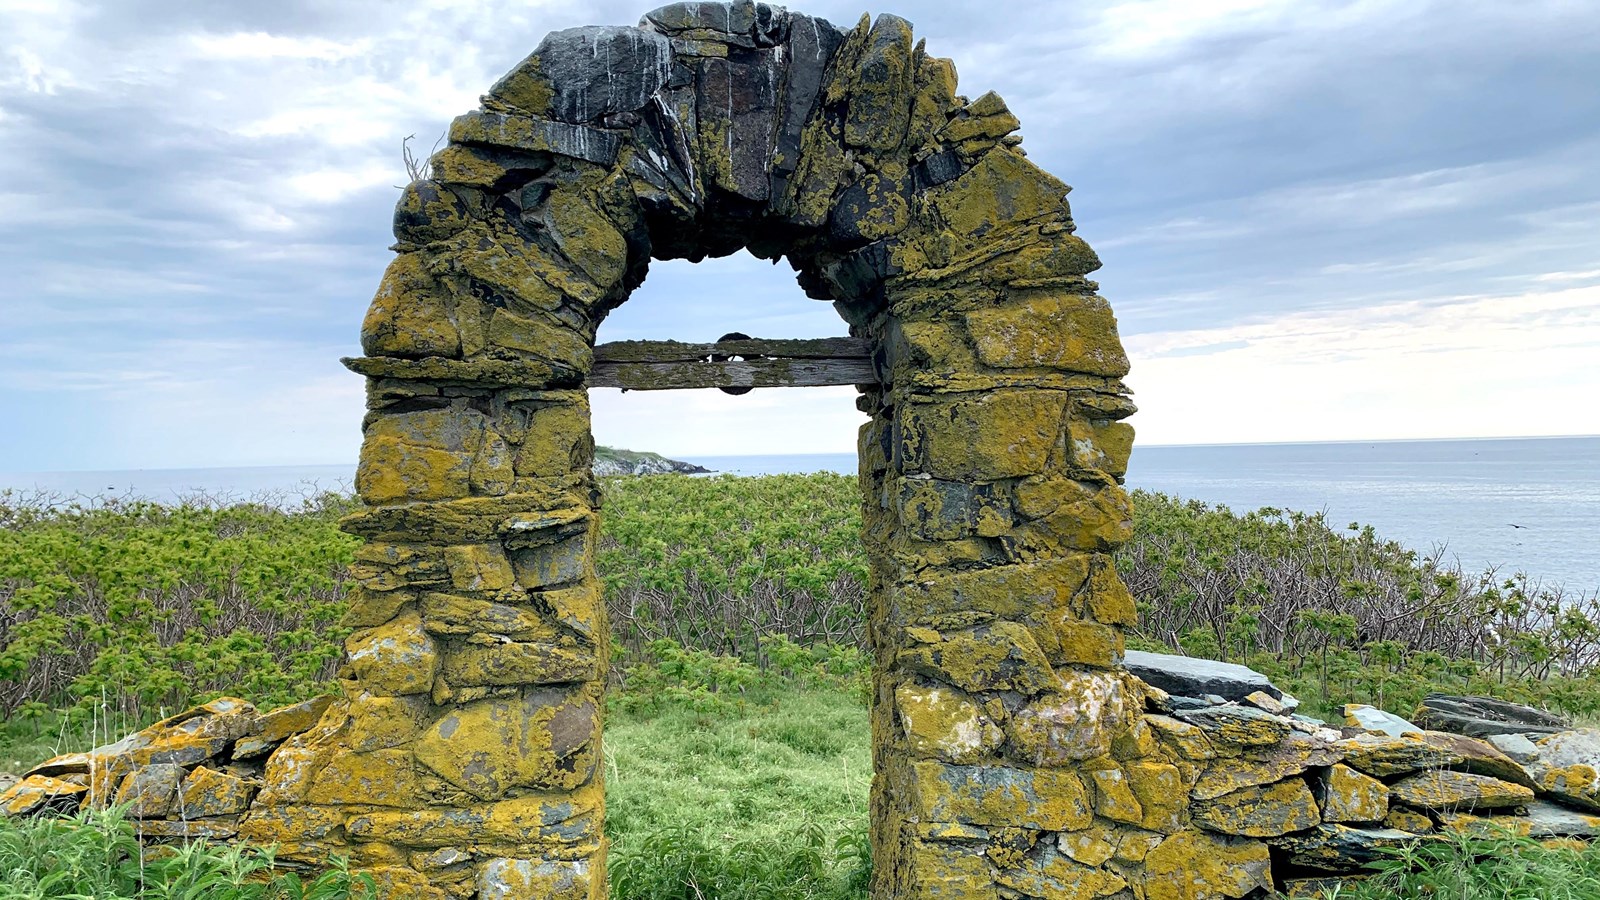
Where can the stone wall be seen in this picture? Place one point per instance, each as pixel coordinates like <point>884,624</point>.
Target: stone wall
<point>1013,755</point>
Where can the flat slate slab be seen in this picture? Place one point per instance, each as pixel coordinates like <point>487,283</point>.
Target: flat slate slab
<point>1485,716</point>
<point>1188,676</point>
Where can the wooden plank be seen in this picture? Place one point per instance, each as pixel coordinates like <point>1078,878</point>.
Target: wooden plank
<point>751,373</point>
<point>677,351</point>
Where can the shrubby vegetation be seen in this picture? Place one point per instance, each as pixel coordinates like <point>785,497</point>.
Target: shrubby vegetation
<point>738,611</point>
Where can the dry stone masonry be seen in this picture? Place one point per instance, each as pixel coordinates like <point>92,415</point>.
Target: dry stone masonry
<point>1015,756</point>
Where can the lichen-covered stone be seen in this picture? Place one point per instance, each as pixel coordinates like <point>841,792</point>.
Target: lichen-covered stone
<point>379,722</point>
<point>1049,799</point>
<point>1051,873</point>
<point>998,435</point>
<point>1077,720</point>
<point>208,792</point>
<point>1160,790</point>
<point>1113,798</point>
<point>1383,756</point>
<point>1458,791</point>
<point>1346,795</point>
<point>528,879</point>
<point>1240,726</point>
<point>1000,656</point>
<point>945,723</point>
<point>411,314</point>
<point>1402,819</point>
<point>513,662</point>
<point>1264,765</point>
<point>147,792</point>
<point>37,792</point>
<point>395,659</point>
<point>1480,757</point>
<point>1577,784</point>
<point>1340,848</point>
<point>377,778</point>
<point>1260,811</point>
<point>1194,865</point>
<point>541,739</point>
<point>1074,332</point>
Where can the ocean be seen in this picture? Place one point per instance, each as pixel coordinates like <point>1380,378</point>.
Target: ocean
<point>1528,504</point>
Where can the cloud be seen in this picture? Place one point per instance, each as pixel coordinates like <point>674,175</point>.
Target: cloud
<point>1486,366</point>
<point>196,200</point>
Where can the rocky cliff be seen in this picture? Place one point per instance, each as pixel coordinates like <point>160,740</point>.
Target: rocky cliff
<point>611,461</point>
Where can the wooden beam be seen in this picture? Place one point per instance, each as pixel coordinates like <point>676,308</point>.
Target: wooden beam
<point>673,365</point>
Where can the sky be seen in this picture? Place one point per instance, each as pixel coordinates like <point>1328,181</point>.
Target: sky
<point>1376,219</point>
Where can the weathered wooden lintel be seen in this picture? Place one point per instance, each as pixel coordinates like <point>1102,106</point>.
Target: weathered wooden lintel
<point>674,365</point>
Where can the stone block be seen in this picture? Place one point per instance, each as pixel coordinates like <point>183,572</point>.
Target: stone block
<point>552,564</point>
<point>1113,798</point>
<point>1051,873</point>
<point>148,791</point>
<point>1076,720</point>
<point>479,567</point>
<point>1458,792</point>
<point>999,796</point>
<point>938,871</point>
<point>378,778</point>
<point>1383,756</point>
<point>1002,434</point>
<point>378,723</point>
<point>556,441</point>
<point>1194,865</point>
<point>564,820</point>
<point>1160,790</point>
<point>999,193</point>
<point>395,659</point>
<point>546,739</point>
<point>535,879</point>
<point>35,793</point>
<point>208,792</point>
<point>945,723</point>
<point>453,614</point>
<point>1066,331</point>
<point>1000,656</point>
<point>941,510</point>
<point>1346,795</point>
<point>513,663</point>
<point>1009,592</point>
<point>1260,812</point>
<point>410,316</point>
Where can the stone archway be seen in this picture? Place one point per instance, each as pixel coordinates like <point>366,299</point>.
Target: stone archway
<point>465,760</point>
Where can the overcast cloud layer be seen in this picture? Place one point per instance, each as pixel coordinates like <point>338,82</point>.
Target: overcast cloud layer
<point>1319,220</point>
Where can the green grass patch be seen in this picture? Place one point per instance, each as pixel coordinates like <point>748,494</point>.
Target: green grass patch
<point>767,800</point>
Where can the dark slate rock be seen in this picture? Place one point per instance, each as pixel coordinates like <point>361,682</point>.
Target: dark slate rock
<point>938,169</point>
<point>1546,819</point>
<point>1190,677</point>
<point>736,106</point>
<point>1483,716</point>
<point>1177,702</point>
<point>856,204</point>
<point>759,24</point>
<point>1340,848</point>
<point>600,70</point>
<point>812,44</point>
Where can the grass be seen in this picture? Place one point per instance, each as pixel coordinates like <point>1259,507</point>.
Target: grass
<point>95,856</point>
<point>770,802</point>
<point>1500,867</point>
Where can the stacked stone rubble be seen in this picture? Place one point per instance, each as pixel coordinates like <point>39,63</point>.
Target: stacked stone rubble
<point>1014,756</point>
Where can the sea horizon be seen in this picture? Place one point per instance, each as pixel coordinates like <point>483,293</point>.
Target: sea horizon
<point>1521,504</point>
